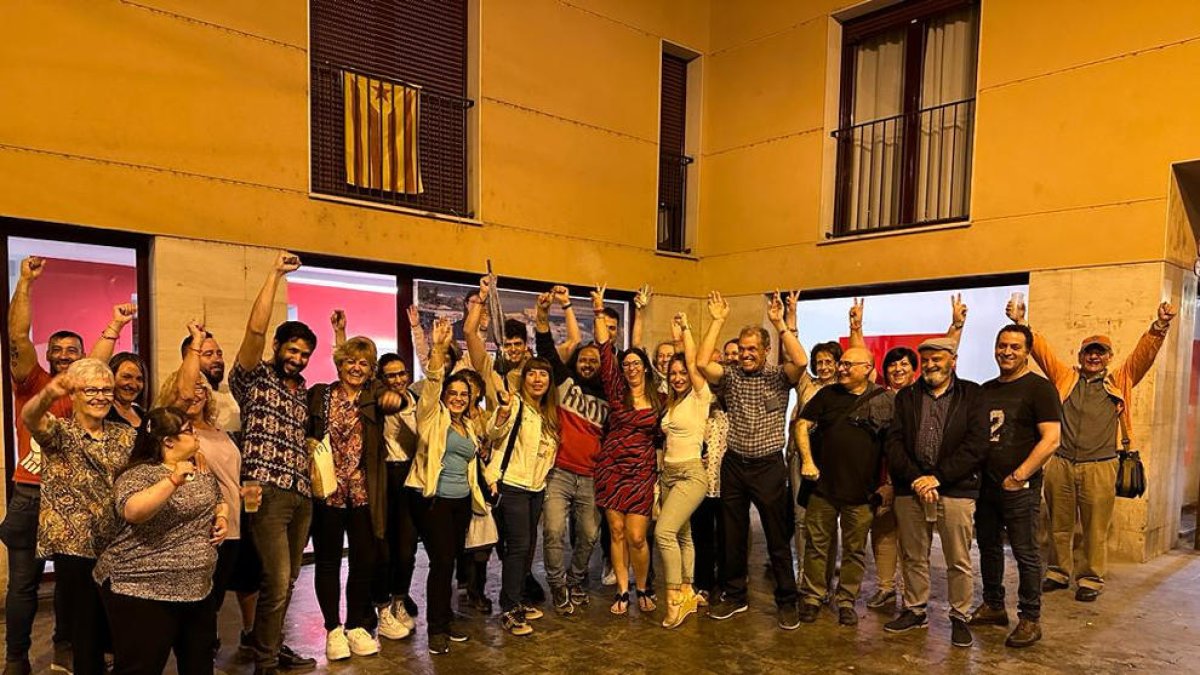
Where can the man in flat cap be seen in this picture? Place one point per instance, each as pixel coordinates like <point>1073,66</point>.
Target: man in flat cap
<point>1081,477</point>
<point>935,449</point>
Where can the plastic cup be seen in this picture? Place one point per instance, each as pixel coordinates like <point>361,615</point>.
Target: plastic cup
<point>251,495</point>
<point>930,511</point>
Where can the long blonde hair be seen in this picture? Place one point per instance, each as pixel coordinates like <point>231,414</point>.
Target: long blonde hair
<point>167,396</point>
<point>548,406</point>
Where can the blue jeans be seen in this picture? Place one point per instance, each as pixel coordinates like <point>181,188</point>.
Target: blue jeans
<point>569,497</point>
<point>999,511</point>
<point>19,534</point>
<point>517,516</point>
<point>280,531</point>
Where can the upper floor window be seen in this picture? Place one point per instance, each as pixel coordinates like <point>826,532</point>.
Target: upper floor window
<point>673,158</point>
<point>389,102</point>
<point>907,116</point>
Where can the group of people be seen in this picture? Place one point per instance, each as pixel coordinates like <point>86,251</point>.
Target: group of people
<point>152,514</point>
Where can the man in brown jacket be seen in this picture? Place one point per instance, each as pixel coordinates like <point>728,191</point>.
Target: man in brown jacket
<point>1081,477</point>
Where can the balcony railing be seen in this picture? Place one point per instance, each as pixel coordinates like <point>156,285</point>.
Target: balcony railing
<point>905,170</point>
<point>672,202</point>
<point>441,147</point>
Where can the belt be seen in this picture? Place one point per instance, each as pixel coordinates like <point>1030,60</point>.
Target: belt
<point>1084,461</point>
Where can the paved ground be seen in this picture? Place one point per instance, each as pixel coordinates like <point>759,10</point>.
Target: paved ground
<point>1148,621</point>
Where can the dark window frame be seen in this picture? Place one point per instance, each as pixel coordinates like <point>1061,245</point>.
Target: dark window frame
<point>913,16</point>
<point>672,147</point>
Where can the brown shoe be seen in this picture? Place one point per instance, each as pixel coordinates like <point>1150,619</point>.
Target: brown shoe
<point>986,615</point>
<point>1025,634</point>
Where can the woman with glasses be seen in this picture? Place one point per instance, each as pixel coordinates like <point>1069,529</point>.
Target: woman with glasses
<point>625,468</point>
<point>80,458</point>
<point>129,375</point>
<point>157,574</point>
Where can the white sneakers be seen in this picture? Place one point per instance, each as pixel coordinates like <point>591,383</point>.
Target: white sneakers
<point>337,647</point>
<point>395,626</point>
<point>362,643</point>
<point>340,644</point>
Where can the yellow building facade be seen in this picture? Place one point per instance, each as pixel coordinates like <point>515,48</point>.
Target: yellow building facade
<point>189,122</point>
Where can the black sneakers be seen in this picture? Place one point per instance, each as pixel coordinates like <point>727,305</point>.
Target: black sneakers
<point>725,609</point>
<point>290,660</point>
<point>847,616</point>
<point>1086,594</point>
<point>960,634</point>
<point>561,598</point>
<point>1050,585</point>
<point>439,644</point>
<point>788,617</point>
<point>907,621</point>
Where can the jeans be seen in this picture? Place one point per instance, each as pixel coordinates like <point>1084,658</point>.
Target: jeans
<point>442,524</point>
<point>762,482</point>
<point>999,511</point>
<point>823,516</point>
<point>708,539</point>
<point>280,530</point>
<point>145,632</point>
<point>1084,492</point>
<point>330,527</point>
<point>394,570</point>
<point>517,516</point>
<point>571,498</point>
<point>955,527</point>
<point>683,486</point>
<point>88,625</point>
<point>19,534</point>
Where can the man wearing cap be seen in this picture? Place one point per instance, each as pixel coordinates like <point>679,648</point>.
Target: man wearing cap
<point>935,447</point>
<point>1081,477</point>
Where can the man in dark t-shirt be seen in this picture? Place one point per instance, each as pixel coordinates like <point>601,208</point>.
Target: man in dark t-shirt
<point>849,419</point>
<point>1025,416</point>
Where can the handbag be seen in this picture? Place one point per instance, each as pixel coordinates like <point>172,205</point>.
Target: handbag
<point>1131,474</point>
<point>320,462</point>
<point>482,531</point>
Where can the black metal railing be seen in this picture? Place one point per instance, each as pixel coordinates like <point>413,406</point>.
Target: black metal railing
<point>905,170</point>
<point>672,202</point>
<point>441,147</point>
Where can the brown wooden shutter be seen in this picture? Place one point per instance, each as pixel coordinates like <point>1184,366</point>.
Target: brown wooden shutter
<point>421,43</point>
<point>672,165</point>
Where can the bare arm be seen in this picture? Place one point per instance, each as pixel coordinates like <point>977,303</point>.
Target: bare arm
<point>856,324</point>
<point>699,383</point>
<point>337,321</point>
<point>420,345</point>
<point>958,318</point>
<point>600,331</point>
<point>476,349</point>
<point>797,360</point>
<point>23,357</point>
<point>808,468</point>
<point>1050,433</point>
<point>562,296</point>
<point>144,504</point>
<point>251,351</point>
<point>189,370</point>
<point>718,310</point>
<point>640,301</point>
<point>103,348</point>
<point>36,413</point>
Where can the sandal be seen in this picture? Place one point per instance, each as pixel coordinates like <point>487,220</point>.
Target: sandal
<point>647,601</point>
<point>620,604</point>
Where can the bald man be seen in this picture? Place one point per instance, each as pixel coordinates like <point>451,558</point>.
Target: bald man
<point>849,420</point>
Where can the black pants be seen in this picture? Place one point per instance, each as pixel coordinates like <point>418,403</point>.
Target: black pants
<point>145,632</point>
<point>331,526</point>
<point>998,511</point>
<point>227,556</point>
<point>394,569</point>
<point>763,483</point>
<point>517,517</point>
<point>88,624</point>
<point>708,539</point>
<point>19,534</point>
<point>442,525</point>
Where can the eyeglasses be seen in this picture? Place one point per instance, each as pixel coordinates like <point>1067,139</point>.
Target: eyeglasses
<point>850,364</point>
<point>632,365</point>
<point>98,392</point>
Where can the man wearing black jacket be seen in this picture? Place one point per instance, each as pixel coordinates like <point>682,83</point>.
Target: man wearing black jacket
<point>935,447</point>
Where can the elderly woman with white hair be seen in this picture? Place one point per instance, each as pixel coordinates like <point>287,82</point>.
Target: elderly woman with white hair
<point>80,459</point>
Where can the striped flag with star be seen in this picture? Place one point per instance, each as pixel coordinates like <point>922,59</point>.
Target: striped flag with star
<point>381,122</point>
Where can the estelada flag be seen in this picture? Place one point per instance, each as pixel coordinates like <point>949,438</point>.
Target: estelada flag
<point>382,121</point>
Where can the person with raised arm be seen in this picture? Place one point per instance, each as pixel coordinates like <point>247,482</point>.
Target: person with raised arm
<point>683,481</point>
<point>754,470</point>
<point>570,485</point>
<point>274,403</point>
<point>81,455</point>
<point>443,484</point>
<point>625,468</point>
<point>1096,422</point>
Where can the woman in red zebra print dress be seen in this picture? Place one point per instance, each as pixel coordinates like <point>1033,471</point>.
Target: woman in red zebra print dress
<point>626,466</point>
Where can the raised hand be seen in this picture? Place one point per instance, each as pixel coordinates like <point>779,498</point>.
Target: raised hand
<point>642,298</point>
<point>414,316</point>
<point>62,385</point>
<point>561,295</point>
<point>196,330</point>
<point>775,309</point>
<point>793,300</point>
<point>718,307</point>
<point>856,315</point>
<point>678,325</point>
<point>32,267</point>
<point>1015,311</point>
<point>1166,312</point>
<point>958,310</point>
<point>544,300</point>
<point>598,297</point>
<point>485,287</point>
<point>442,333</point>
<point>338,320</point>
<point>286,263</point>
<point>123,314</point>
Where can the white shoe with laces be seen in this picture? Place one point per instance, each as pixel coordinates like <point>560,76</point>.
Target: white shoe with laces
<point>337,647</point>
<point>401,614</point>
<point>361,642</point>
<point>391,627</point>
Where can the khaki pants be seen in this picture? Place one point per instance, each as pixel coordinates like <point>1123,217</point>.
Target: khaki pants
<point>823,517</point>
<point>885,543</point>
<point>956,528</point>
<point>1085,492</point>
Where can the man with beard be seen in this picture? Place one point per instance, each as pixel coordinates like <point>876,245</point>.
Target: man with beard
<point>19,531</point>
<point>212,366</point>
<point>1025,415</point>
<point>935,448</point>
<point>570,491</point>
<point>273,399</point>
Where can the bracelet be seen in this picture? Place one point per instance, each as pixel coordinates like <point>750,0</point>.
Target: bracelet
<point>566,306</point>
<point>957,325</point>
<point>105,336</point>
<point>221,516</point>
<point>172,479</point>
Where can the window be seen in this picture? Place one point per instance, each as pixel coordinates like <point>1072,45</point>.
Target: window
<point>389,102</point>
<point>907,116</point>
<point>673,160</point>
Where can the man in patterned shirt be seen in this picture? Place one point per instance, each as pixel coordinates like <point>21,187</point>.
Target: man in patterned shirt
<point>754,470</point>
<point>272,396</point>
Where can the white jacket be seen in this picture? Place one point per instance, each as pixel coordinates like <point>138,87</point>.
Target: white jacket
<point>532,454</point>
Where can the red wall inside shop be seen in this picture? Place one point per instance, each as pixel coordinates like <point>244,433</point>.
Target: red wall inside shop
<point>79,296</point>
<point>367,313</point>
